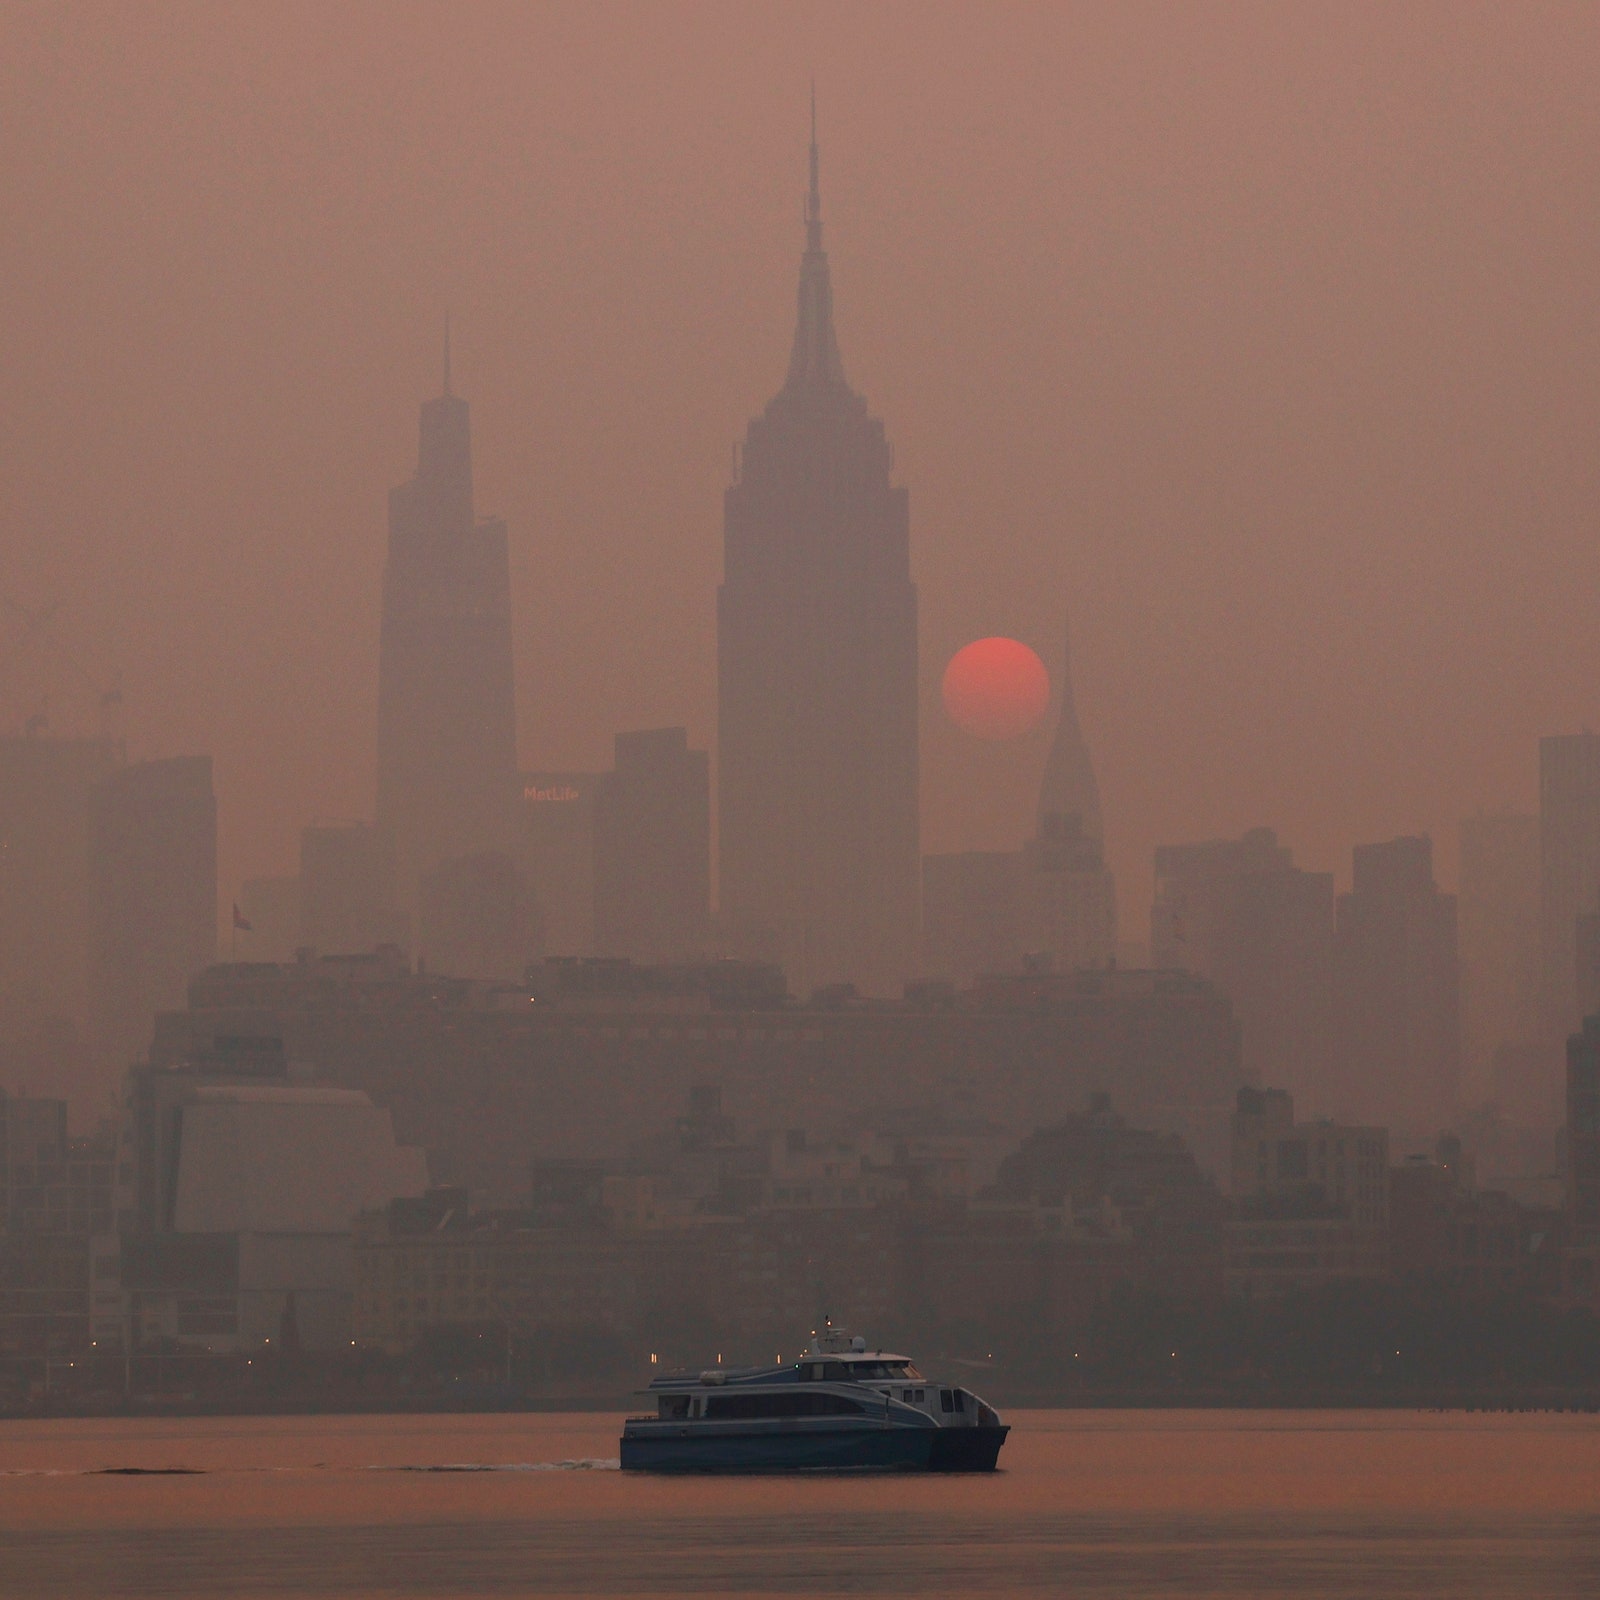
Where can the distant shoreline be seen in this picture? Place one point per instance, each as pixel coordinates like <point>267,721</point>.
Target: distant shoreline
<point>1581,1402</point>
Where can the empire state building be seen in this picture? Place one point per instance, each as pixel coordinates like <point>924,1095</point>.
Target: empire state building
<point>817,672</point>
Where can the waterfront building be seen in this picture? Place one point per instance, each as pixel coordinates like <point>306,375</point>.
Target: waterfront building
<point>594,1055</point>
<point>242,1188</point>
<point>55,1211</point>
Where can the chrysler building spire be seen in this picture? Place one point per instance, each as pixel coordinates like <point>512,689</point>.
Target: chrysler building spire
<point>1069,790</point>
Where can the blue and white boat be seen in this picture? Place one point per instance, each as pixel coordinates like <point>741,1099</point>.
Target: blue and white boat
<point>840,1407</point>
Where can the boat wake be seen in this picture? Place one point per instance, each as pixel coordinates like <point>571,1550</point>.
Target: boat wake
<point>584,1464</point>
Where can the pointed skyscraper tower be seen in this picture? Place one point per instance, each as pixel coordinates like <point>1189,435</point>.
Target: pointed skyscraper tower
<point>1069,797</point>
<point>447,763</point>
<point>1072,897</point>
<point>817,673</point>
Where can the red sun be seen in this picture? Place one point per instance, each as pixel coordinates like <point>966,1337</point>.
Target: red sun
<point>996,689</point>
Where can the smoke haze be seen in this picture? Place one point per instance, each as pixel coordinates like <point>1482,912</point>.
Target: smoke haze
<point>1263,338</point>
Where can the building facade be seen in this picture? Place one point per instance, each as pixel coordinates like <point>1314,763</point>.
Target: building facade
<point>1239,912</point>
<point>1398,990</point>
<point>1500,950</point>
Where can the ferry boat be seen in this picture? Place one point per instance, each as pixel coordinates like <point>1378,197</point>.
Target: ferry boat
<point>840,1407</point>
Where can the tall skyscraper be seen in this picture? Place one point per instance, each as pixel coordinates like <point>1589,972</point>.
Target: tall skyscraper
<point>652,849</point>
<point>1239,912</point>
<point>817,673</point>
<point>1397,991</point>
<point>1569,866</point>
<point>153,871</point>
<point>1072,895</point>
<point>447,758</point>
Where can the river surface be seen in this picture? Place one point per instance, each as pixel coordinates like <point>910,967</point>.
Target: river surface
<point>1090,1503</point>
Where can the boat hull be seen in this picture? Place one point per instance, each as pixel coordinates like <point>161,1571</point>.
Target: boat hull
<point>787,1449</point>
<point>967,1449</point>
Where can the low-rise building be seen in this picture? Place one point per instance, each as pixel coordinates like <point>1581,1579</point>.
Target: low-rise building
<point>242,1191</point>
<point>1311,1199</point>
<point>55,1209</point>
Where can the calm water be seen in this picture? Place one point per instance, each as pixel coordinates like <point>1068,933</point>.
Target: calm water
<point>1092,1504</point>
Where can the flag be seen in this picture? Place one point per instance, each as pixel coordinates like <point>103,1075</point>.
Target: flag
<point>240,920</point>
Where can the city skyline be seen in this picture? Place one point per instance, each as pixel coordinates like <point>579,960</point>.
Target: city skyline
<point>1408,681</point>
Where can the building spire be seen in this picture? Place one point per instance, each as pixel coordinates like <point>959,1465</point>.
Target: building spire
<point>815,357</point>
<point>1069,797</point>
<point>814,199</point>
<point>446,353</point>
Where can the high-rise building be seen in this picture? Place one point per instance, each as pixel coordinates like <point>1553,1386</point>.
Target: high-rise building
<point>1071,895</point>
<point>45,786</point>
<point>652,849</point>
<point>1569,866</point>
<point>447,758</point>
<point>1239,912</point>
<point>817,672</point>
<point>1499,944</point>
<point>555,845</point>
<point>153,870</point>
<point>346,887</point>
<point>1397,990</point>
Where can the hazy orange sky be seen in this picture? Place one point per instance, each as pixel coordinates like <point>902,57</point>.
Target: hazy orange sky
<point>1265,337</point>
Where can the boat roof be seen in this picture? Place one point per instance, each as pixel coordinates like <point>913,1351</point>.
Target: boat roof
<point>788,1372</point>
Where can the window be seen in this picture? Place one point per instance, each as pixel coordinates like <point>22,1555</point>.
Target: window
<point>946,1400</point>
<point>823,1372</point>
<point>673,1407</point>
<point>780,1403</point>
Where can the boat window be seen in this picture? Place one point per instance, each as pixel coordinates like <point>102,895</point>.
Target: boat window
<point>824,1372</point>
<point>960,1397</point>
<point>781,1403</point>
<point>946,1401</point>
<point>674,1406</point>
